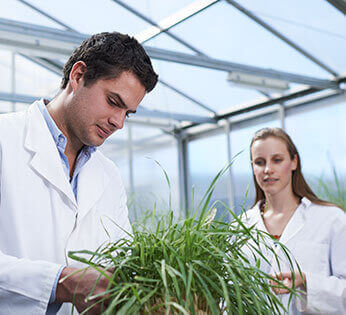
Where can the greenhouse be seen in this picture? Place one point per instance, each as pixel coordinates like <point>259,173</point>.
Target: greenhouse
<point>226,69</point>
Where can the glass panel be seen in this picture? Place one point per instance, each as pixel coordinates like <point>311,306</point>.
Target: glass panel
<point>151,187</point>
<point>34,80</point>
<point>320,142</point>
<point>314,25</point>
<point>14,10</point>
<point>120,134</point>
<point>5,70</point>
<point>90,17</point>
<point>144,133</point>
<point>116,149</point>
<point>210,87</point>
<point>206,157</point>
<point>5,107</point>
<point>167,100</point>
<point>241,135</point>
<point>158,10</point>
<point>234,37</point>
<point>21,106</point>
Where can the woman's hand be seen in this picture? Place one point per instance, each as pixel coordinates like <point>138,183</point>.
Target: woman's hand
<point>286,279</point>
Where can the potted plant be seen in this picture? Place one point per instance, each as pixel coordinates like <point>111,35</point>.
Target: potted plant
<point>194,265</point>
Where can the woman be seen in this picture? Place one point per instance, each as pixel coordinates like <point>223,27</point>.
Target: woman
<point>313,230</point>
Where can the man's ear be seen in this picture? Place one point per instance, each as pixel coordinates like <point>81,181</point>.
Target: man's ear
<point>76,74</point>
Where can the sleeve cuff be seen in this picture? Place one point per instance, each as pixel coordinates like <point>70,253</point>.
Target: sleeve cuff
<point>53,292</point>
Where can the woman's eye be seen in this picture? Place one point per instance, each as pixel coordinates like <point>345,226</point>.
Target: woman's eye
<point>277,160</point>
<point>259,162</point>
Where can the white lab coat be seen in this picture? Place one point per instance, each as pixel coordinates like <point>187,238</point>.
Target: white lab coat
<point>40,220</point>
<point>316,239</point>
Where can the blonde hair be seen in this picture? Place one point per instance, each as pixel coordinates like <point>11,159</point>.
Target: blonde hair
<point>300,187</point>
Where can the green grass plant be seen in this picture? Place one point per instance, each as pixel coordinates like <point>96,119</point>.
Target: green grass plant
<point>193,265</point>
<point>333,191</point>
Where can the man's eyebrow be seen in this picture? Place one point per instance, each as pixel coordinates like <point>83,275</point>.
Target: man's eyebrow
<point>120,100</point>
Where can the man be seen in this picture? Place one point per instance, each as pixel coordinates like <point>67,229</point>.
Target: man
<point>57,192</point>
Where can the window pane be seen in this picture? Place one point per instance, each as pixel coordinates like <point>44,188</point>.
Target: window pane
<point>206,157</point>
<point>5,70</point>
<point>5,107</point>
<point>33,80</point>
<point>150,185</point>
<point>314,25</point>
<point>224,32</point>
<point>319,133</point>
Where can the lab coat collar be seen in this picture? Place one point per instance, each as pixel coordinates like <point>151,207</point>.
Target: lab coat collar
<point>295,224</point>
<point>92,179</point>
<point>46,160</point>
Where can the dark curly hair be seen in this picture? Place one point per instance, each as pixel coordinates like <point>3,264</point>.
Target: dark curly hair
<point>107,55</point>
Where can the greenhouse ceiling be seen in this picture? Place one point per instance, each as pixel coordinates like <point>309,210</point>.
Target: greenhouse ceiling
<point>216,59</point>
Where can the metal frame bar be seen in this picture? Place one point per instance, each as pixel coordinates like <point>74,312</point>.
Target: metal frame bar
<point>141,111</point>
<point>45,41</point>
<point>282,116</point>
<point>175,116</point>
<point>339,5</point>
<point>278,100</point>
<point>227,129</point>
<point>222,65</point>
<point>130,157</point>
<point>237,110</point>
<point>282,37</point>
<point>328,96</point>
<point>17,98</point>
<point>183,174</point>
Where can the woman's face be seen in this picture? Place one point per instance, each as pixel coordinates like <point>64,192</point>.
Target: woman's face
<point>272,166</point>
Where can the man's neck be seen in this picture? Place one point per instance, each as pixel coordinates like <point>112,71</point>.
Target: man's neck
<point>56,109</point>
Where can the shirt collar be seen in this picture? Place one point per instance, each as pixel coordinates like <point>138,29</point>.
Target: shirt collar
<point>58,136</point>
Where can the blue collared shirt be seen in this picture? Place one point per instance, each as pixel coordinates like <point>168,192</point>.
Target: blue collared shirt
<point>83,157</point>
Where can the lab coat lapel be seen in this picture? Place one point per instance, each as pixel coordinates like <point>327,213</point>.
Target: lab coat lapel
<point>92,182</point>
<point>295,224</point>
<point>258,220</point>
<point>46,160</point>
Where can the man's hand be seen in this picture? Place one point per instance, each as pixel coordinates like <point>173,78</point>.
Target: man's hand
<point>286,278</point>
<point>77,287</point>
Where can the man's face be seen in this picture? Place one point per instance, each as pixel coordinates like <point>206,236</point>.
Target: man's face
<point>96,111</point>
